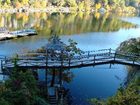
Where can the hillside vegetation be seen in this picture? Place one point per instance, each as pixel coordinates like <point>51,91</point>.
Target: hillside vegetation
<point>75,5</point>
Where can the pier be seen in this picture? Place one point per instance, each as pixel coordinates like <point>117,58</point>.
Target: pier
<point>6,35</point>
<point>87,58</point>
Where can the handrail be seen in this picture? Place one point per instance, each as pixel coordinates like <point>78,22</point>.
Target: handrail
<point>86,52</point>
<point>73,58</point>
<point>104,55</point>
<point>97,50</point>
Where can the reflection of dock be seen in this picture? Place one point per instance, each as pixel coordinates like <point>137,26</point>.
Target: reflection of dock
<point>88,58</point>
<point>5,35</point>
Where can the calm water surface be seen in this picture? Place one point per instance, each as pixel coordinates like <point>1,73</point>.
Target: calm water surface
<point>91,32</point>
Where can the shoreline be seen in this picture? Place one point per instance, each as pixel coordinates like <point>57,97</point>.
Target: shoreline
<point>48,9</point>
<point>58,9</point>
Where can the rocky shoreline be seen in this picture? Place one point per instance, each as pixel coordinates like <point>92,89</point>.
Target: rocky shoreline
<point>132,45</point>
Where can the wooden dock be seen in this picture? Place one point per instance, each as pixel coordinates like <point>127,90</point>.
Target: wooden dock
<point>6,35</point>
<point>88,58</point>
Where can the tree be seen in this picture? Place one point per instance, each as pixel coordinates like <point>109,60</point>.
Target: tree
<point>8,2</point>
<point>134,3</point>
<point>43,3</point>
<point>25,2</point>
<point>81,6</point>
<point>61,3</point>
<point>4,102</point>
<point>97,6</point>
<point>87,5</point>
<point>55,2</point>
<point>104,2</point>
<point>20,89</point>
<point>71,3</point>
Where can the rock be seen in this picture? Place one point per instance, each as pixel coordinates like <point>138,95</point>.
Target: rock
<point>132,45</point>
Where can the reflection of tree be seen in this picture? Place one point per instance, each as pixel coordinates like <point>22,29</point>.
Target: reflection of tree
<point>133,72</point>
<point>63,23</point>
<point>53,78</point>
<point>67,76</point>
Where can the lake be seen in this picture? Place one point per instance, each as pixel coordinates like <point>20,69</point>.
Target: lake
<point>91,32</point>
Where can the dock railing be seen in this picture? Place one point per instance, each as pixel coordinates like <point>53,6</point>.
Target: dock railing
<point>86,58</point>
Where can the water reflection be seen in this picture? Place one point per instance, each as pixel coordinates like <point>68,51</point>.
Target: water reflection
<point>90,82</point>
<point>79,27</point>
<point>133,73</point>
<point>63,23</point>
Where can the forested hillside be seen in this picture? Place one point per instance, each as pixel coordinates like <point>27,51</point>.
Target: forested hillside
<point>76,5</point>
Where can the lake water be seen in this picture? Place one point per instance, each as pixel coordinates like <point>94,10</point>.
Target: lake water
<point>91,32</point>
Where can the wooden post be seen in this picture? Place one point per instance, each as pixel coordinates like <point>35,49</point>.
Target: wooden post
<point>133,61</point>
<point>110,66</point>
<point>46,58</point>
<point>69,62</point>
<point>17,57</point>
<point>5,59</point>
<point>46,77</point>
<point>60,71</point>
<point>60,77</point>
<point>88,54</point>
<point>61,59</point>
<point>1,65</point>
<point>62,63</point>
<point>114,56</point>
<point>53,78</point>
<point>81,62</point>
<point>94,58</point>
<point>109,51</point>
<point>46,62</point>
<point>46,68</point>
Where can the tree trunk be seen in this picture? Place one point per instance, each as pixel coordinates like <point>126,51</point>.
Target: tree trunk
<point>53,78</point>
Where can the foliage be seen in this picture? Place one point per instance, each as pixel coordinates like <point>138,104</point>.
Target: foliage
<point>81,5</point>
<point>20,89</point>
<point>72,49</point>
<point>98,6</point>
<point>131,46</point>
<point>71,3</point>
<point>125,96</point>
<point>4,102</point>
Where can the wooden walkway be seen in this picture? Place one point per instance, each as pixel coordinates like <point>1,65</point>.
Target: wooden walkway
<point>88,58</point>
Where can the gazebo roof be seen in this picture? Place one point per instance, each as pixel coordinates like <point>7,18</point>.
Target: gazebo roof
<point>55,44</point>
